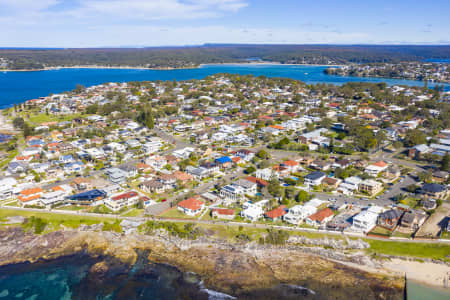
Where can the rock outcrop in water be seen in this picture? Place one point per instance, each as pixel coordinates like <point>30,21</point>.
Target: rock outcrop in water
<point>245,270</point>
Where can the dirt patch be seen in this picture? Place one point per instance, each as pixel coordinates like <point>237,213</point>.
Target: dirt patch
<point>433,225</point>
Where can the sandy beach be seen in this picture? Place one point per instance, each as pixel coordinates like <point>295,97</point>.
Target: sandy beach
<point>431,274</point>
<point>428,273</point>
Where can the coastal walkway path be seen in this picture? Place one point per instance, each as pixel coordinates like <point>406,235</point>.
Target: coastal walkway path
<point>225,223</point>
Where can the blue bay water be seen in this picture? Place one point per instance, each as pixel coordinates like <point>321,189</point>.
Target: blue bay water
<point>16,87</point>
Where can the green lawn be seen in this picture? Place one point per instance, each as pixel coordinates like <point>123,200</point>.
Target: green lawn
<point>402,235</point>
<point>175,213</point>
<point>72,208</point>
<point>419,250</point>
<point>445,235</point>
<point>411,202</point>
<point>133,213</point>
<point>56,221</point>
<point>42,118</point>
<point>381,231</point>
<point>10,157</point>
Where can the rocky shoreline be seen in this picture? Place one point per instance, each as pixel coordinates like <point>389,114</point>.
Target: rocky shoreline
<point>242,270</point>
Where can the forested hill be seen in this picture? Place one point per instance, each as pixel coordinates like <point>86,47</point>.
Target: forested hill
<point>178,57</point>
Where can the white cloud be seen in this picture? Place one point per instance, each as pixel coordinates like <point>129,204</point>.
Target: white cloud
<point>137,10</point>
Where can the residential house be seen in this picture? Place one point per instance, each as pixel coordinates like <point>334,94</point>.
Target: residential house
<point>440,176</point>
<point>320,218</point>
<point>429,204</point>
<point>52,198</point>
<point>198,173</point>
<point>370,186</point>
<point>266,174</point>
<point>17,167</point>
<point>277,213</point>
<point>314,178</point>
<point>92,197</point>
<point>117,202</point>
<point>154,186</point>
<point>260,182</point>
<point>191,206</point>
<point>291,165</point>
<point>81,183</point>
<point>349,185</point>
<point>413,219</point>
<point>30,196</point>
<point>298,213</point>
<point>434,190</point>
<point>183,177</point>
<point>367,219</point>
<point>6,187</point>
<point>223,213</point>
<point>376,168</point>
<point>245,154</point>
<point>252,213</point>
<point>321,165</point>
<point>224,162</point>
<point>331,182</point>
<point>390,218</point>
<point>117,175</point>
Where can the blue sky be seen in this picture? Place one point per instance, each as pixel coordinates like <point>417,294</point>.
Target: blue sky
<point>109,23</point>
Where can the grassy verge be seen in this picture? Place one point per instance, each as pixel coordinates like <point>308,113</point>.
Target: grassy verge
<point>133,213</point>
<point>418,250</point>
<point>54,221</point>
<point>175,213</point>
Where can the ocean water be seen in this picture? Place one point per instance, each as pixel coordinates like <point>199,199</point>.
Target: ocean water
<point>16,87</point>
<point>72,278</point>
<point>419,291</point>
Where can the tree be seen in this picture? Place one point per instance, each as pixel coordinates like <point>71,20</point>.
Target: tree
<point>274,188</point>
<point>414,137</point>
<point>445,162</point>
<point>263,154</point>
<point>341,173</point>
<point>290,192</point>
<point>425,176</point>
<point>27,130</point>
<point>18,123</point>
<point>250,170</point>
<point>302,196</point>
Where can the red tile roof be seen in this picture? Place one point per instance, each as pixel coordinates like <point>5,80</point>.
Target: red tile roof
<point>321,215</point>
<point>191,203</point>
<point>258,181</point>
<point>290,163</point>
<point>276,213</point>
<point>224,211</point>
<point>380,164</point>
<point>126,195</point>
<point>277,127</point>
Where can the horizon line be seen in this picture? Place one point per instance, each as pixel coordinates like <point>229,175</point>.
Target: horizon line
<point>224,45</point>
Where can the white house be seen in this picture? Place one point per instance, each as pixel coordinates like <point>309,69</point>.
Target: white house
<point>52,198</point>
<point>349,185</point>
<point>367,219</point>
<point>252,213</point>
<point>298,213</point>
<point>6,187</point>
<point>314,178</point>
<point>117,147</point>
<point>375,168</point>
<point>265,174</point>
<point>117,202</point>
